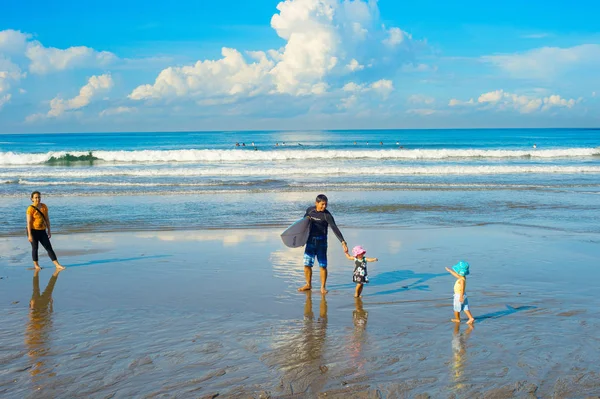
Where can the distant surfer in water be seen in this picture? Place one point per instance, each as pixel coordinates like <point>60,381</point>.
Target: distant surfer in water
<point>316,246</point>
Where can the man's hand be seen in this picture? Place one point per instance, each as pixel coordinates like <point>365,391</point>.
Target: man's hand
<point>30,238</point>
<point>345,247</point>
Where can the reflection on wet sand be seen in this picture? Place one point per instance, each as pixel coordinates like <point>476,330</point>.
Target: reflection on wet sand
<point>459,355</point>
<point>359,336</point>
<point>299,356</point>
<point>39,327</point>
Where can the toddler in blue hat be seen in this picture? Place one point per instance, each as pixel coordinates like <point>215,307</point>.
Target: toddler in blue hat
<point>461,303</point>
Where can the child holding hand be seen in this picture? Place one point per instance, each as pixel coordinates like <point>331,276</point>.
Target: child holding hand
<point>461,303</point>
<point>360,268</point>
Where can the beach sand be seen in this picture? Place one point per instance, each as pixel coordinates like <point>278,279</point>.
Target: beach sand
<point>216,312</point>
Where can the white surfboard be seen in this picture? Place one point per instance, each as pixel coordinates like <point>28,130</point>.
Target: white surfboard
<point>297,234</point>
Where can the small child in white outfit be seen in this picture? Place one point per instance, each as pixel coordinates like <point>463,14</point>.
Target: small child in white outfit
<point>461,303</point>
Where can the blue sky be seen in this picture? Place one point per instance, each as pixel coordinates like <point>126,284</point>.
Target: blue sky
<point>297,64</point>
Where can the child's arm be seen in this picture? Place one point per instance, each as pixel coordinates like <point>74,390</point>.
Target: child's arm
<point>452,272</point>
<point>349,256</point>
<point>372,259</point>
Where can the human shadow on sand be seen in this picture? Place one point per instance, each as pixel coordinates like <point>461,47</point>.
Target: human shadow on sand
<point>116,260</point>
<point>501,313</point>
<point>395,277</point>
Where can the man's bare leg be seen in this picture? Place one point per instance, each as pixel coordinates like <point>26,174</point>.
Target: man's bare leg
<point>323,280</point>
<point>308,278</point>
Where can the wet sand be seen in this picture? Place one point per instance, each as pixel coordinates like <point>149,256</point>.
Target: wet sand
<point>206,313</point>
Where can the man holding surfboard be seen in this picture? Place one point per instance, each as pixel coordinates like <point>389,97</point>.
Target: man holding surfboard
<point>316,245</point>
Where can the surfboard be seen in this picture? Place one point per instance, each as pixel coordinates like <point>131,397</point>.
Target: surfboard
<point>297,234</point>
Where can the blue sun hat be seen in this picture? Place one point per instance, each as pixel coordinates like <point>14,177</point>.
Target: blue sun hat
<point>461,268</point>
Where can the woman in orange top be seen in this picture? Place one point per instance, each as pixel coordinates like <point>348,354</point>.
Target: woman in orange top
<point>38,222</point>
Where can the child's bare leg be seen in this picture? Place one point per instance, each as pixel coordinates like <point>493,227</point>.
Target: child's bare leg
<point>58,265</point>
<point>323,280</point>
<point>456,318</point>
<point>471,318</point>
<point>359,288</point>
<point>308,278</point>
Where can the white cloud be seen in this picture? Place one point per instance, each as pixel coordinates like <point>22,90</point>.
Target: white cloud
<point>38,59</point>
<point>382,88</point>
<point>324,39</point>
<point>96,85</point>
<point>501,100</point>
<point>547,62</point>
<point>231,75</point>
<point>395,37</point>
<point>49,59</point>
<point>13,41</point>
<point>118,111</point>
<point>454,102</point>
<point>4,99</point>
<point>353,65</point>
<point>420,99</point>
<point>354,87</point>
<point>10,74</point>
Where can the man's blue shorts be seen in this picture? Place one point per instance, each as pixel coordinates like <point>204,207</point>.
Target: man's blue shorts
<point>316,246</point>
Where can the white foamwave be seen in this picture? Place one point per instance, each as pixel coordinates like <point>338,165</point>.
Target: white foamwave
<point>437,170</point>
<point>155,156</point>
<point>125,184</point>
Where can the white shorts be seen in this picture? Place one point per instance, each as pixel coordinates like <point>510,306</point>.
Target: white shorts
<point>460,307</point>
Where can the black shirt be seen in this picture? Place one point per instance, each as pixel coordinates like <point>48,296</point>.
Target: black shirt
<point>319,223</point>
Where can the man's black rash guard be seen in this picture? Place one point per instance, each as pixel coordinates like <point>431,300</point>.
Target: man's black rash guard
<point>319,223</point>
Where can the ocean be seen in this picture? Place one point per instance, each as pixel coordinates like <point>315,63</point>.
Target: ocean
<point>546,178</point>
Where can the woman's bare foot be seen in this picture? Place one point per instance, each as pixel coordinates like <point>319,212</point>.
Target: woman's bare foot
<point>456,320</point>
<point>470,321</point>
<point>306,287</point>
<point>59,266</point>
<point>357,296</point>
<point>36,266</point>
<point>324,290</point>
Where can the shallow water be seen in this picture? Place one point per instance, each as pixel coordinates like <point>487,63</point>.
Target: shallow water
<point>150,181</point>
<point>196,313</point>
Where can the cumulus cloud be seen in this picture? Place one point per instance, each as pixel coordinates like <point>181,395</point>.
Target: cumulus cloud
<point>43,60</point>
<point>13,41</point>
<point>95,86</point>
<point>382,88</point>
<point>353,65</point>
<point>49,59</point>
<point>231,75</point>
<point>547,62</point>
<point>501,100</point>
<point>395,37</point>
<point>324,39</point>
<point>10,74</point>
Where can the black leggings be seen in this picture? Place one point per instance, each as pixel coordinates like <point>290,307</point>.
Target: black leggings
<point>41,236</point>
